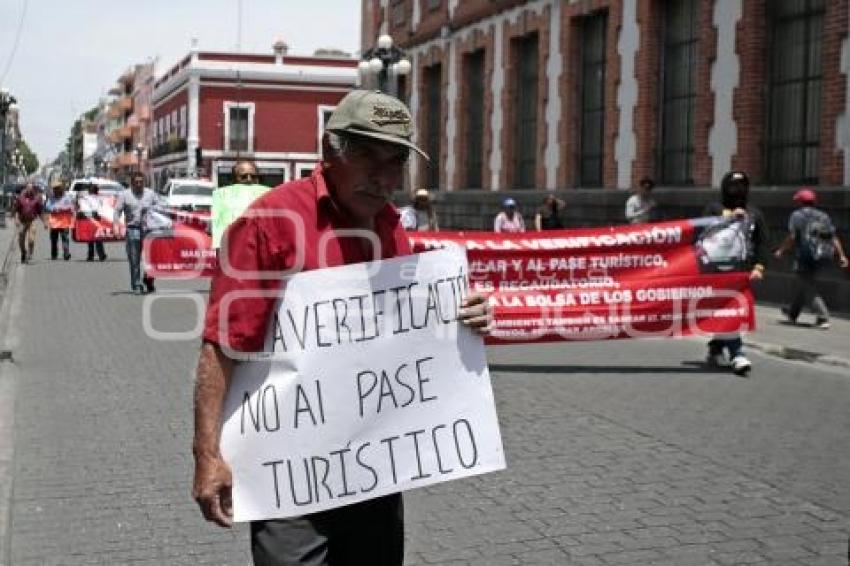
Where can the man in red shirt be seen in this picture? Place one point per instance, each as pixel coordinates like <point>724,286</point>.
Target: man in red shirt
<point>28,207</point>
<point>365,148</point>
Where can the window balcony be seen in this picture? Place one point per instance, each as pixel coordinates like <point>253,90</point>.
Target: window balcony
<point>125,103</point>
<point>125,159</point>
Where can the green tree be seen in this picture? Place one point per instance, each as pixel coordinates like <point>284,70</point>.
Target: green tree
<point>30,158</point>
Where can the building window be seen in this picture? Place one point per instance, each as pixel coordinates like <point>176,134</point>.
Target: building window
<point>398,12</point>
<point>324,114</point>
<point>434,121</point>
<point>239,126</point>
<point>303,169</point>
<point>474,112</point>
<point>794,91</point>
<point>183,121</point>
<point>592,93</point>
<point>525,52</point>
<point>434,4</point>
<point>679,91</point>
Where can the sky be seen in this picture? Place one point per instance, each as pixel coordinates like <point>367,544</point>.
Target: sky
<point>71,52</point>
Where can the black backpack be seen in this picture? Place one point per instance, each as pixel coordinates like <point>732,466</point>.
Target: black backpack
<point>815,244</point>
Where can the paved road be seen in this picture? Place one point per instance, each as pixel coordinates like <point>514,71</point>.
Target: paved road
<point>618,453</point>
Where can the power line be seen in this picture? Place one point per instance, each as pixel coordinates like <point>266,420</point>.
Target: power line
<point>17,42</point>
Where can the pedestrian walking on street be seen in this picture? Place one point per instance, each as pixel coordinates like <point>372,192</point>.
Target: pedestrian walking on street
<point>548,215</point>
<point>640,206</point>
<point>363,163</point>
<point>60,218</point>
<point>420,215</point>
<point>816,244</point>
<point>135,203</point>
<point>90,206</point>
<point>734,196</point>
<point>28,208</point>
<point>509,220</point>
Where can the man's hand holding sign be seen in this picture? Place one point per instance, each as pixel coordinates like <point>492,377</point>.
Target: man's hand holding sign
<point>322,393</point>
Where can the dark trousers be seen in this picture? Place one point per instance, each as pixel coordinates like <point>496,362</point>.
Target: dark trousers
<point>96,246</point>
<point>806,294</point>
<point>55,235</point>
<point>731,342</point>
<point>371,532</point>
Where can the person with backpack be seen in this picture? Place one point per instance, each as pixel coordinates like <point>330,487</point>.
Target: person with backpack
<point>733,205</point>
<point>813,236</point>
<point>27,208</point>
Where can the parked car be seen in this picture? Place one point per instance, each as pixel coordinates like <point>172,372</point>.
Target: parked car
<point>191,195</point>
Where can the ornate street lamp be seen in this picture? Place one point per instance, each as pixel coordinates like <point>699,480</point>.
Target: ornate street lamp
<point>140,149</point>
<point>385,62</point>
<point>7,104</point>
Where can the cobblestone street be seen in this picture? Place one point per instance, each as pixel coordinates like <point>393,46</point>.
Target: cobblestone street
<point>618,453</point>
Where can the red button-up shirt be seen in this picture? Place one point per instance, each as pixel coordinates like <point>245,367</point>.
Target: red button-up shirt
<point>294,227</point>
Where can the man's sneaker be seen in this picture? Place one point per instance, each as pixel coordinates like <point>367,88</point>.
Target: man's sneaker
<point>822,324</point>
<point>786,312</point>
<point>741,365</point>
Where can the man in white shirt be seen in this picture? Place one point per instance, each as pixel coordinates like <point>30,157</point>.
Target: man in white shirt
<point>640,205</point>
<point>135,203</point>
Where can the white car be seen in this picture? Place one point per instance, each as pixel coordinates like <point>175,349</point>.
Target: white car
<point>104,186</point>
<point>191,195</point>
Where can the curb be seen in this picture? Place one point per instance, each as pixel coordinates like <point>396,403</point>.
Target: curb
<point>788,353</point>
<point>7,402</point>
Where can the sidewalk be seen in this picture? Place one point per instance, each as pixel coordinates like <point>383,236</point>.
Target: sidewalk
<point>774,335</point>
<point>7,390</point>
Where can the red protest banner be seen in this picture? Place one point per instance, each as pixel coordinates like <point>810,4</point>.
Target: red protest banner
<point>665,279</point>
<point>180,246</point>
<point>94,220</point>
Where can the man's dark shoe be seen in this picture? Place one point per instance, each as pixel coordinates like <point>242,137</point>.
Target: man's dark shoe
<point>23,257</point>
<point>150,286</point>
<point>786,312</point>
<point>67,257</point>
<point>89,259</point>
<point>102,258</point>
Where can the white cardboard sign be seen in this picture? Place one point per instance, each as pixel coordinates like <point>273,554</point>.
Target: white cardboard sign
<point>369,387</point>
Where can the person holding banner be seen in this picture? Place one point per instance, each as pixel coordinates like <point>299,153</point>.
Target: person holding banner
<point>60,211</point>
<point>509,220</point>
<point>90,205</point>
<point>135,203</point>
<point>341,214</point>
<point>734,196</point>
<point>229,202</point>
<point>419,215</point>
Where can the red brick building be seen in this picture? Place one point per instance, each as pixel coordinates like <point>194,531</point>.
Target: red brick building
<point>599,93</point>
<point>225,106</point>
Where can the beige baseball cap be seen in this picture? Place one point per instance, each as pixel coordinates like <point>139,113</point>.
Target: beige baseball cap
<point>373,114</point>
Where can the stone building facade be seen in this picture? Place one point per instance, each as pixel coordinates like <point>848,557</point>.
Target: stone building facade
<point>558,94</point>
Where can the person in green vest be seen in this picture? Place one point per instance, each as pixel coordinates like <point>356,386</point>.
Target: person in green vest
<point>230,202</point>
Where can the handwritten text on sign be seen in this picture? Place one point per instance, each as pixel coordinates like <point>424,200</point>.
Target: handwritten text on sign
<point>370,387</point>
